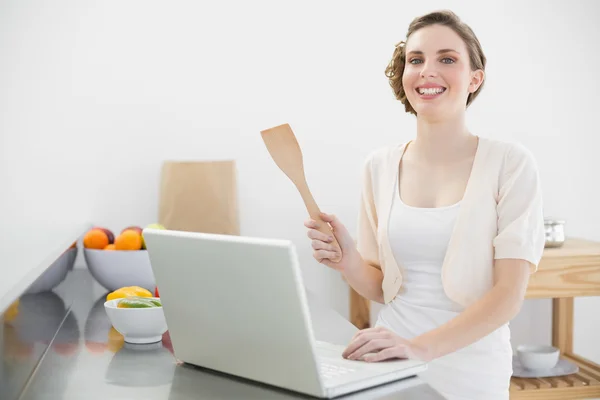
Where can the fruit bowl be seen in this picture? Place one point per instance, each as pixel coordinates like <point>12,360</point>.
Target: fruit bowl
<point>55,274</point>
<point>137,325</point>
<point>115,269</point>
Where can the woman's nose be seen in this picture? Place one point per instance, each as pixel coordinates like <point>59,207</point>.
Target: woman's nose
<point>428,70</point>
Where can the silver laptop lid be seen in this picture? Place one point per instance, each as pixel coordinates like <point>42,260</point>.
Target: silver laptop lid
<point>236,305</point>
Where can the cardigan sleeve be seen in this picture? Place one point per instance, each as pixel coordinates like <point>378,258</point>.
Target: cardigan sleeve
<point>366,241</point>
<point>520,211</point>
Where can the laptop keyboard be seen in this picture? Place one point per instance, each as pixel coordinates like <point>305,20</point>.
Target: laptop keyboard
<point>330,371</point>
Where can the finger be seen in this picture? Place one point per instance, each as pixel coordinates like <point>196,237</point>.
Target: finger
<point>315,224</point>
<point>360,334</point>
<point>355,346</point>
<point>316,235</point>
<point>370,347</point>
<point>320,255</point>
<point>319,245</point>
<point>386,354</point>
<point>329,218</point>
<point>309,223</point>
<point>335,223</point>
<point>360,341</point>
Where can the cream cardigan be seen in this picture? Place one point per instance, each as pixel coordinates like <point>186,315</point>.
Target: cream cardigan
<point>501,216</point>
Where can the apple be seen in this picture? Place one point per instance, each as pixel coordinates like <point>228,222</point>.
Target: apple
<point>111,236</point>
<point>156,226</point>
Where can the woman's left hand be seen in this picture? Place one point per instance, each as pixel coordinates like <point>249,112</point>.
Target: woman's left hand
<point>379,344</point>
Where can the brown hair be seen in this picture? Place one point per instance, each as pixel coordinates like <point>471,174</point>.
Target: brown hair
<point>395,68</point>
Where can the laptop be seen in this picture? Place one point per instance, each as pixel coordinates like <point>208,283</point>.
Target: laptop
<point>237,305</point>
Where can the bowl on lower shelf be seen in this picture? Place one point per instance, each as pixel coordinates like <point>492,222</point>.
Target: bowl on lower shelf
<point>114,269</point>
<point>538,357</point>
<point>55,274</point>
<point>137,325</point>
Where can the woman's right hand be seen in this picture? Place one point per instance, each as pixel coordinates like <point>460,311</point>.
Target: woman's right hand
<point>323,250</point>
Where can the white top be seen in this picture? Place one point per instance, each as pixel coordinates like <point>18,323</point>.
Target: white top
<point>419,238</point>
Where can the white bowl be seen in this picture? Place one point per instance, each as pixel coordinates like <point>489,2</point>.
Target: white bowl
<point>538,357</point>
<point>55,273</point>
<point>115,269</point>
<point>137,325</point>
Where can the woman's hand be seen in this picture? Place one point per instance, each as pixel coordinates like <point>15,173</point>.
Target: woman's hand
<point>364,278</point>
<point>324,251</point>
<point>379,344</point>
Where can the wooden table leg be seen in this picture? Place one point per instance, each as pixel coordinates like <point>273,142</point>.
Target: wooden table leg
<point>562,324</point>
<point>360,310</point>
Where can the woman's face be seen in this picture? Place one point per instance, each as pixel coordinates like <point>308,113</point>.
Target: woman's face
<point>437,75</point>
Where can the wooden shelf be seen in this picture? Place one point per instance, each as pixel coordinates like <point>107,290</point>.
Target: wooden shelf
<point>584,384</point>
<point>568,271</point>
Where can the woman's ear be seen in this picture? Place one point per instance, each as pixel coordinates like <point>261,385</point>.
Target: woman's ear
<point>477,78</point>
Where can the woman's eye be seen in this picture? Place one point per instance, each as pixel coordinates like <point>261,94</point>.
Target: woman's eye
<point>445,60</point>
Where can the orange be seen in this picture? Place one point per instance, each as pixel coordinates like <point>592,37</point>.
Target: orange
<point>128,240</point>
<point>110,247</point>
<point>95,239</point>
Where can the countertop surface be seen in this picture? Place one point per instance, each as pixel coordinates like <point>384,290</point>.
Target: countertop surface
<point>60,344</point>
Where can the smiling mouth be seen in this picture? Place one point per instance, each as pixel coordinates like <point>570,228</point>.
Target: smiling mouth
<point>431,91</point>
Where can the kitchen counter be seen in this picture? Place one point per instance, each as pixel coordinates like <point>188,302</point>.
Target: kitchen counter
<point>61,345</point>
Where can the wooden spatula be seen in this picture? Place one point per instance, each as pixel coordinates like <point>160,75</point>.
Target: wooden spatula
<point>285,151</point>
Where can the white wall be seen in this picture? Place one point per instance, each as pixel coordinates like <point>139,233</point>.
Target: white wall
<point>95,95</point>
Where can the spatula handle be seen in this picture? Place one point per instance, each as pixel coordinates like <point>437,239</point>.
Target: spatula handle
<point>315,213</point>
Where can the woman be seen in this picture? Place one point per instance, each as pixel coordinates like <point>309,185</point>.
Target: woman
<point>450,225</point>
